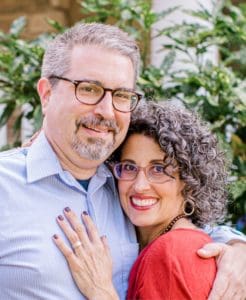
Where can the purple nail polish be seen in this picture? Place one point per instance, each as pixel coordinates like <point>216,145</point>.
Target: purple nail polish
<point>55,236</point>
<point>85,213</point>
<point>60,217</point>
<point>67,209</point>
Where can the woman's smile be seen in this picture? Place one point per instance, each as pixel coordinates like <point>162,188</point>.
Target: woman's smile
<point>148,201</point>
<point>142,202</point>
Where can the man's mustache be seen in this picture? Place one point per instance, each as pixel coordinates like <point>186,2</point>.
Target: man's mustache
<point>95,121</point>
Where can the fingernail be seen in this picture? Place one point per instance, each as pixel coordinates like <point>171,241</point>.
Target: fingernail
<point>202,251</point>
<point>67,209</point>
<point>55,236</point>
<point>85,213</point>
<point>60,217</point>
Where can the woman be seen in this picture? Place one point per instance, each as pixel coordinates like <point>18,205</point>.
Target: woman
<point>171,180</point>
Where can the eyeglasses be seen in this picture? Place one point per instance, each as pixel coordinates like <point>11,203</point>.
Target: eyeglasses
<point>91,93</point>
<point>155,173</point>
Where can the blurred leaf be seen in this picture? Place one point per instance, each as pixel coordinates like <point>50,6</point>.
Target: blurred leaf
<point>5,115</point>
<point>17,26</point>
<point>238,188</point>
<point>56,25</point>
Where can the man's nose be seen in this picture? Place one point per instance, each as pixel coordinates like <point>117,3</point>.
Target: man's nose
<point>105,107</point>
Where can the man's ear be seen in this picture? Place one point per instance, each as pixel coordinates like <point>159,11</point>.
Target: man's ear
<point>44,91</point>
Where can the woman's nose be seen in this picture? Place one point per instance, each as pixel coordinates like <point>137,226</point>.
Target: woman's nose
<point>141,182</point>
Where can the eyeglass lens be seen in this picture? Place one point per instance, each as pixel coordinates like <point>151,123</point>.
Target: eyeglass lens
<point>91,93</point>
<point>154,173</point>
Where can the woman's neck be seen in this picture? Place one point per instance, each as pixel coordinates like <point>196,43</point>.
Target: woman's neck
<point>146,234</point>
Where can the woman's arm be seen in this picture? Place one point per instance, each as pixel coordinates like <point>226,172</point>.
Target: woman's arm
<point>89,258</point>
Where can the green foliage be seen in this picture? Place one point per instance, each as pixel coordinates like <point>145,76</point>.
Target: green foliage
<point>135,17</point>
<point>20,62</point>
<point>217,90</point>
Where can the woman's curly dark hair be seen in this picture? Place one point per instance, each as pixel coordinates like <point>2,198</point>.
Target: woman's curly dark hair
<point>188,143</point>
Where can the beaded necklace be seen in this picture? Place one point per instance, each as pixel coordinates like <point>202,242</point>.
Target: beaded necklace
<point>167,228</point>
<point>170,225</point>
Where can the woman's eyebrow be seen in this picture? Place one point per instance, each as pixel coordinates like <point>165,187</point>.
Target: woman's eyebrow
<point>154,161</point>
<point>128,160</point>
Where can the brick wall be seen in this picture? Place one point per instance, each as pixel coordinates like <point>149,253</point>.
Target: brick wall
<point>67,12</point>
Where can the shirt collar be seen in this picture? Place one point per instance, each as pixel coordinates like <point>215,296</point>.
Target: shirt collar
<point>41,160</point>
<point>104,170</point>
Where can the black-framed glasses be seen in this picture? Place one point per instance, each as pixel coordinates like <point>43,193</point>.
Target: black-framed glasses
<point>155,173</point>
<point>92,92</point>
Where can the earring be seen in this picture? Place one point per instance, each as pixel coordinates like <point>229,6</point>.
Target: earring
<point>188,207</point>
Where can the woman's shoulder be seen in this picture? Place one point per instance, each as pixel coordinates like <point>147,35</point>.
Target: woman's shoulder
<point>179,241</point>
<point>172,263</point>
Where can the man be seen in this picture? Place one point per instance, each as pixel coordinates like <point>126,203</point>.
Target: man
<point>87,92</point>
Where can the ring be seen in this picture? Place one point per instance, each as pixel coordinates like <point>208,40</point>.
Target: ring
<point>76,244</point>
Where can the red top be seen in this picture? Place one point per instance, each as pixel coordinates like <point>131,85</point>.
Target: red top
<point>169,268</point>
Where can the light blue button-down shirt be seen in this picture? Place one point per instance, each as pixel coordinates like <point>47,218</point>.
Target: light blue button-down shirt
<point>33,191</point>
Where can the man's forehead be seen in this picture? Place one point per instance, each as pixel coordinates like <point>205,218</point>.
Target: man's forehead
<point>101,64</point>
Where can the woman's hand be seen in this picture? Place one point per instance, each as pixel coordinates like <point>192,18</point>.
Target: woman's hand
<point>89,259</point>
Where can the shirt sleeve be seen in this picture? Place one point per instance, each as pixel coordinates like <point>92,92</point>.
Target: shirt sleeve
<point>173,271</point>
<point>224,234</point>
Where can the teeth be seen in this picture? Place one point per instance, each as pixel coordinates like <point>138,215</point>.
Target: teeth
<point>143,202</point>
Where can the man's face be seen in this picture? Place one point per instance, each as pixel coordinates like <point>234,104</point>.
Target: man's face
<point>88,132</point>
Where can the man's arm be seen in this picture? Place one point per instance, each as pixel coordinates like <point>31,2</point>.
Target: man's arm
<point>230,282</point>
<point>224,234</point>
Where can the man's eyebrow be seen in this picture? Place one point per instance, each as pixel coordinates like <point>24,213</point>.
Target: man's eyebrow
<point>90,80</point>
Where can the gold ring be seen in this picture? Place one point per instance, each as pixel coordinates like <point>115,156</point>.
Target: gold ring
<point>76,244</point>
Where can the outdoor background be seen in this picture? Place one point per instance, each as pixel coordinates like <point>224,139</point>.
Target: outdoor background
<point>192,52</point>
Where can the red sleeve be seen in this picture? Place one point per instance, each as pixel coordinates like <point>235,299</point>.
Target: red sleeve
<point>170,269</point>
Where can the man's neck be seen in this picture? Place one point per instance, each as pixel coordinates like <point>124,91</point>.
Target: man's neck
<point>80,173</point>
<point>79,167</point>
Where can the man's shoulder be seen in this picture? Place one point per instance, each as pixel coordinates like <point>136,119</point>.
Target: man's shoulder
<point>11,152</point>
<point>12,157</point>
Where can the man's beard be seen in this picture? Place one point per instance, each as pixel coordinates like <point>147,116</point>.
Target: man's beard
<point>95,148</point>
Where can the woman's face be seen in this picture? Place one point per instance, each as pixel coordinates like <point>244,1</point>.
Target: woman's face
<point>149,204</point>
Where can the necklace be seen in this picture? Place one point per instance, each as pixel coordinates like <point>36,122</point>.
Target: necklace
<point>170,225</point>
<point>166,229</point>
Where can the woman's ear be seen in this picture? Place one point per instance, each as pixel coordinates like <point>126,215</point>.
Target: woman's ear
<point>44,91</point>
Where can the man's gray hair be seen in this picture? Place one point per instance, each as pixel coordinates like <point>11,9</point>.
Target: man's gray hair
<point>57,56</point>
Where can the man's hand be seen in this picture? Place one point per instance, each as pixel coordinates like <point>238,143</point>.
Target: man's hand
<point>230,281</point>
